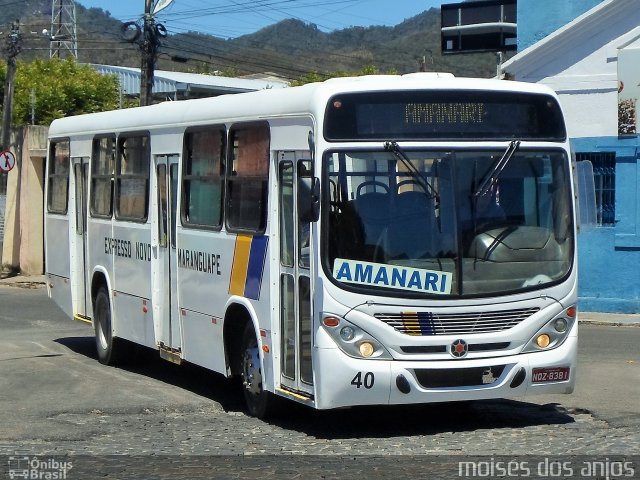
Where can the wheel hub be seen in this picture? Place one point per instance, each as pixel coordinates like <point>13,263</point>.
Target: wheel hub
<point>252,376</point>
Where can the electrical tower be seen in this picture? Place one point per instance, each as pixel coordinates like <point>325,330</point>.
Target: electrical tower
<point>64,38</point>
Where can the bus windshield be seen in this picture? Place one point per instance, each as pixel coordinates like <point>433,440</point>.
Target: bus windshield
<point>448,223</point>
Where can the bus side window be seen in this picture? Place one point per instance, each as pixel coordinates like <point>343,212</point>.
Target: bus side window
<point>247,178</point>
<point>132,177</point>
<point>102,170</point>
<point>57,199</point>
<point>202,177</point>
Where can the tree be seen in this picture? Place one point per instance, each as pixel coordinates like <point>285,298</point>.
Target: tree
<point>60,88</point>
<point>318,77</point>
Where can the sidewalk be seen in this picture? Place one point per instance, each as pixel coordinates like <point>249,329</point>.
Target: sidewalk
<point>626,319</point>
<point>23,281</point>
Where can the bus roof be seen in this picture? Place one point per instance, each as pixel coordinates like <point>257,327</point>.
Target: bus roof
<point>306,100</point>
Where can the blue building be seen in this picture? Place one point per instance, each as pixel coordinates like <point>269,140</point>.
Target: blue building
<point>588,51</point>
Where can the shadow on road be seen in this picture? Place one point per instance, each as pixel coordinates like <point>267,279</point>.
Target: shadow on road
<point>146,362</point>
<point>357,422</point>
<point>427,419</point>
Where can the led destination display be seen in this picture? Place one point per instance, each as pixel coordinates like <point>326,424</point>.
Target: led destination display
<point>443,115</point>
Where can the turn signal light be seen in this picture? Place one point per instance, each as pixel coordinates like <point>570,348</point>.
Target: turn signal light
<point>331,321</point>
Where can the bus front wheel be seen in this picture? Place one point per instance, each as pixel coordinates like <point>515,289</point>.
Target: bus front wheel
<point>260,403</point>
<point>109,349</point>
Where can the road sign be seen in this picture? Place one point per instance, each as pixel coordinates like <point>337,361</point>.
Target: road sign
<point>7,161</point>
<point>161,5</point>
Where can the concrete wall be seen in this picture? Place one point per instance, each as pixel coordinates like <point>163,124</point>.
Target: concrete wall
<point>11,239</point>
<point>23,246</point>
<point>538,18</point>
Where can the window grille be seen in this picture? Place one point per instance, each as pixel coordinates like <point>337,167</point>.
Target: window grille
<point>604,173</point>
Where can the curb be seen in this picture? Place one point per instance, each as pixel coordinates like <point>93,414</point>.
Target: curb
<point>24,281</point>
<point>612,319</point>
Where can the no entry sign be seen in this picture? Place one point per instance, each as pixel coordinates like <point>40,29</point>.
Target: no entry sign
<point>7,161</point>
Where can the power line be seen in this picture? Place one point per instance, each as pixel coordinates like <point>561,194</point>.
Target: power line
<point>262,59</point>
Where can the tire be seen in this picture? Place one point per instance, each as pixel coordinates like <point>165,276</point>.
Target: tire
<point>260,403</point>
<point>110,350</point>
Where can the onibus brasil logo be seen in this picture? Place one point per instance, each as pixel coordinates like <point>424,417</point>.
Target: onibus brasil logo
<point>35,468</point>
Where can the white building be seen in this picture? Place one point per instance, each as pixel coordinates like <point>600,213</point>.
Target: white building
<point>593,63</point>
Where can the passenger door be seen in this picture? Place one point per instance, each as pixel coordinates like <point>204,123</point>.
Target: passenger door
<point>166,288</point>
<point>295,279</point>
<point>81,293</point>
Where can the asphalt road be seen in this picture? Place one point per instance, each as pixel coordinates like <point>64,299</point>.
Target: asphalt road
<point>56,399</point>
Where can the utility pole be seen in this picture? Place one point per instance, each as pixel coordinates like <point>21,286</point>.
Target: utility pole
<point>422,64</point>
<point>13,47</point>
<point>149,47</point>
<point>148,44</point>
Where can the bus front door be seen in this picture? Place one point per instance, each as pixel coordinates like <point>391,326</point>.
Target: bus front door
<point>296,371</point>
<point>167,325</point>
<point>81,294</point>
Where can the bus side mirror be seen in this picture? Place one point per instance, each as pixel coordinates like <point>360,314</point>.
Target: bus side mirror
<point>586,196</point>
<point>308,194</point>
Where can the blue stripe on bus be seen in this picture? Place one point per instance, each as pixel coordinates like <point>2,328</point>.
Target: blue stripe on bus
<point>427,325</point>
<point>255,267</point>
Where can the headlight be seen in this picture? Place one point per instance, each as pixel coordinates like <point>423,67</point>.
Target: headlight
<point>543,340</point>
<point>366,349</point>
<point>353,340</point>
<point>347,333</point>
<point>553,334</point>
<point>560,325</point>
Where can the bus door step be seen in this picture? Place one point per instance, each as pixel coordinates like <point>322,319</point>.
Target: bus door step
<point>169,354</point>
<point>300,396</point>
<point>83,318</point>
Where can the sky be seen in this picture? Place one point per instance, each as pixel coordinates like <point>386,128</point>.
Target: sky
<point>234,18</point>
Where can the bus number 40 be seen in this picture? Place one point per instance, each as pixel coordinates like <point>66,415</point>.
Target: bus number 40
<point>366,381</point>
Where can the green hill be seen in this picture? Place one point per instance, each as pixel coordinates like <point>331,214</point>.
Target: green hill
<point>290,48</point>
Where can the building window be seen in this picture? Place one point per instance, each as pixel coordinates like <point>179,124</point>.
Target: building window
<point>203,177</point>
<point>247,178</point>
<point>604,173</point>
<point>132,177</point>
<point>58,177</point>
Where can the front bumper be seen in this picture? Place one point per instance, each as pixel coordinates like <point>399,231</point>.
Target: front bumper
<point>342,380</point>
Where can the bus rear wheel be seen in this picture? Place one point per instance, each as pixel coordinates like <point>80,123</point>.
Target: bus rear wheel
<point>110,350</point>
<point>260,403</point>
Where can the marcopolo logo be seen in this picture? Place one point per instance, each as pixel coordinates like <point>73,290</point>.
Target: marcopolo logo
<point>35,468</point>
<point>459,349</point>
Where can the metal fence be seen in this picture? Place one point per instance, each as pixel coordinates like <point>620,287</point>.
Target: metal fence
<point>604,173</point>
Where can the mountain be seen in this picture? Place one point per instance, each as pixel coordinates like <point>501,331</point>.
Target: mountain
<point>290,48</point>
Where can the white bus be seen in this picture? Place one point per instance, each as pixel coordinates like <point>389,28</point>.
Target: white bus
<point>363,241</point>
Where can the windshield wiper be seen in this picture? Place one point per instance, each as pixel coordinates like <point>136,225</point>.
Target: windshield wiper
<point>491,177</point>
<point>394,148</point>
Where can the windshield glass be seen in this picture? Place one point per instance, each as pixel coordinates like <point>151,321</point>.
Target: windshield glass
<point>449,223</point>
